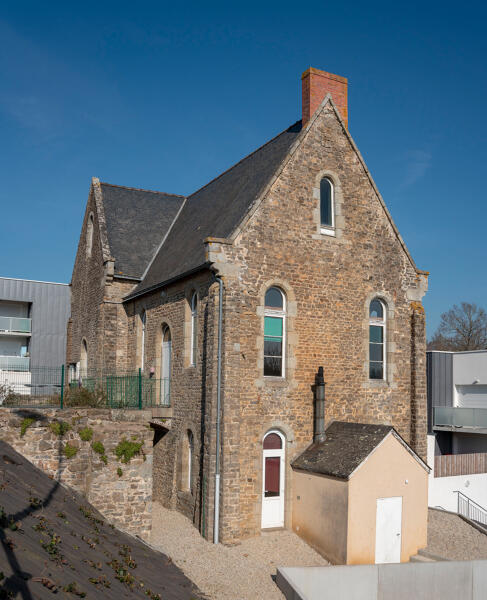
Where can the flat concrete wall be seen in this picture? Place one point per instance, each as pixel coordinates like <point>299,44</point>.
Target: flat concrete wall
<point>466,580</point>
<point>391,470</point>
<point>320,514</point>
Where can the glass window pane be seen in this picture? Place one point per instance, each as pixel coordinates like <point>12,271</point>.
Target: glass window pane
<point>272,476</point>
<point>273,298</point>
<point>376,370</point>
<point>273,326</point>
<point>375,352</point>
<point>272,442</point>
<point>272,347</point>
<point>376,334</point>
<point>272,366</point>
<point>376,309</point>
<point>325,203</point>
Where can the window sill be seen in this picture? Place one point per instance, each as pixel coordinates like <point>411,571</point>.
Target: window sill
<point>377,383</point>
<point>275,381</point>
<point>328,231</point>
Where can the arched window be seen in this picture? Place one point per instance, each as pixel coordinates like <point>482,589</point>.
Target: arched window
<point>166,356</point>
<point>274,333</point>
<point>190,460</point>
<point>377,339</point>
<point>89,235</point>
<point>83,365</point>
<point>143,318</point>
<point>327,209</point>
<point>194,327</point>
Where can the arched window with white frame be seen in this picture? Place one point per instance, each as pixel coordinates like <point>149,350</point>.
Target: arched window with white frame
<point>327,205</point>
<point>377,339</point>
<point>143,319</point>
<point>194,328</point>
<point>274,333</point>
<point>190,460</point>
<point>89,235</point>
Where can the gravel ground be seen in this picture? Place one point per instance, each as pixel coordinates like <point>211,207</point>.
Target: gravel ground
<point>240,572</point>
<point>453,538</point>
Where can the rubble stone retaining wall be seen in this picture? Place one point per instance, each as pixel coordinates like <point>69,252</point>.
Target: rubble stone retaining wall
<point>121,492</point>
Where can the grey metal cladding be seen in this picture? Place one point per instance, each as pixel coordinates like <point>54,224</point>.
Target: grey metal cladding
<point>439,372</point>
<point>50,311</point>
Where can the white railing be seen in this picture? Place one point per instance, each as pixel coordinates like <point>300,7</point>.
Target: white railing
<point>14,363</point>
<point>470,509</point>
<point>15,324</point>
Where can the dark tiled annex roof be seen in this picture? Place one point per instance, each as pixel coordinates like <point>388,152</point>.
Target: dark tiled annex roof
<point>136,221</point>
<point>346,446</point>
<point>217,209</point>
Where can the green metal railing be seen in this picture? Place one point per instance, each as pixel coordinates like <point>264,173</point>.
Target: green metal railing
<point>56,387</point>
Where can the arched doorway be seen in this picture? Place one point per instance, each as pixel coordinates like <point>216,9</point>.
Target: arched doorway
<point>273,467</point>
<point>166,352</point>
<point>83,363</point>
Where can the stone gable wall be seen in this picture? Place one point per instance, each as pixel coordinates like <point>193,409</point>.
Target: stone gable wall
<point>126,500</point>
<point>329,282</point>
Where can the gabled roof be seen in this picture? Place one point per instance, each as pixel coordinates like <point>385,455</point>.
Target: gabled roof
<point>345,448</point>
<point>216,210</point>
<point>136,221</point>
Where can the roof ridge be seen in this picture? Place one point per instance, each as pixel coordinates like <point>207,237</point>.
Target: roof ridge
<point>242,159</point>
<point>126,187</point>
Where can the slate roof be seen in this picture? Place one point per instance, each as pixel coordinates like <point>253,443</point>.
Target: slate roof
<point>346,446</point>
<point>86,550</point>
<point>136,222</point>
<point>216,210</point>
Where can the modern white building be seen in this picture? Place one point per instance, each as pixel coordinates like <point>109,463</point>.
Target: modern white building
<point>457,428</point>
<point>33,321</point>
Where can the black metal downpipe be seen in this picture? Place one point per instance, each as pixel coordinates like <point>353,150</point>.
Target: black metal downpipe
<point>319,429</point>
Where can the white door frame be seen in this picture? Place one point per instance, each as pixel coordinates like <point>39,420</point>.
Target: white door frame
<point>273,508</point>
<point>388,530</point>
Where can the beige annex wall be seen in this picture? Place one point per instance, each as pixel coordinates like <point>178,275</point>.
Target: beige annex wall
<point>383,475</point>
<point>320,513</point>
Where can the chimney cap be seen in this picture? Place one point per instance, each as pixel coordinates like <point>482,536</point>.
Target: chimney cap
<point>312,70</point>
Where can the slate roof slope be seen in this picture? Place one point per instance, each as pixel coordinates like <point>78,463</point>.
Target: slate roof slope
<point>136,221</point>
<point>346,446</point>
<point>52,538</point>
<point>216,210</point>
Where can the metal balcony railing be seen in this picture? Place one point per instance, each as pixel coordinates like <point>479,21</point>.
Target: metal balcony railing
<point>14,363</point>
<point>15,325</point>
<point>165,391</point>
<point>458,417</point>
<point>470,509</point>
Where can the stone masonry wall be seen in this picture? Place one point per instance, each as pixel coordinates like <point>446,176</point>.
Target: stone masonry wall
<point>125,500</point>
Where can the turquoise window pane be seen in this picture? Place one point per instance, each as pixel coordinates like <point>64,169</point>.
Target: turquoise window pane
<point>376,334</point>
<point>273,326</point>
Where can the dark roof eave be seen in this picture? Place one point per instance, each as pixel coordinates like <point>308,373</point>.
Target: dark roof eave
<point>320,473</point>
<point>157,286</point>
<point>129,277</point>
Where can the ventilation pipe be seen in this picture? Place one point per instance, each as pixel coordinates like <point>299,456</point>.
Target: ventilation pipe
<point>319,429</point>
<point>218,408</point>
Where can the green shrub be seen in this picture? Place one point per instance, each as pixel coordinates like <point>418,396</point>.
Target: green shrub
<point>86,434</point>
<point>70,451</point>
<point>126,450</point>
<point>82,396</point>
<point>26,423</point>
<point>99,448</point>
<point>119,472</point>
<point>59,428</point>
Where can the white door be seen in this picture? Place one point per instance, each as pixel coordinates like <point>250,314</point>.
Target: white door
<point>273,480</point>
<point>388,530</point>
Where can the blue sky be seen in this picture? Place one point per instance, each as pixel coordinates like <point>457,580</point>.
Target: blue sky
<point>166,95</point>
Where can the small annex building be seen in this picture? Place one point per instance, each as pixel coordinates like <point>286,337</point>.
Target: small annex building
<point>361,496</point>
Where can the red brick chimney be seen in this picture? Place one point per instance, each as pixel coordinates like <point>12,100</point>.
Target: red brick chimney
<point>315,85</point>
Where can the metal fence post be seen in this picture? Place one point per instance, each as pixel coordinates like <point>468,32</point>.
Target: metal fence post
<point>62,386</point>
<point>140,388</point>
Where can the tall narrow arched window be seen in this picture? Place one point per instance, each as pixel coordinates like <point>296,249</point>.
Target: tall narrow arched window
<point>83,363</point>
<point>377,339</point>
<point>143,318</point>
<point>89,235</point>
<point>274,333</point>
<point>190,460</point>
<point>166,360</point>
<point>327,209</point>
<point>194,327</point>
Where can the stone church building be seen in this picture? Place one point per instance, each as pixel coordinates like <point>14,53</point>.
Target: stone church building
<point>231,299</point>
